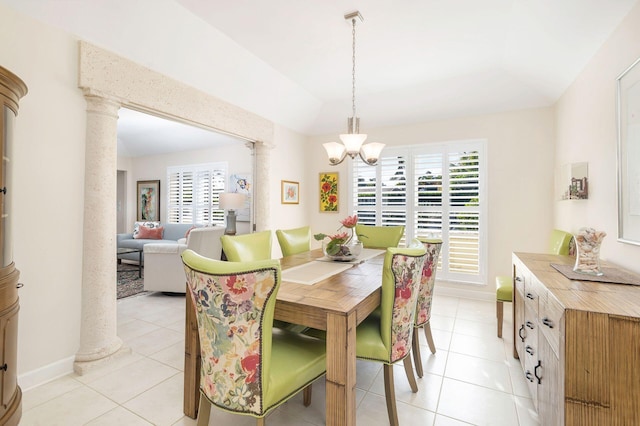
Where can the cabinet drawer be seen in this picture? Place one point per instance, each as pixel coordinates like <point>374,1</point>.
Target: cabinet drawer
<point>551,315</point>
<point>531,293</point>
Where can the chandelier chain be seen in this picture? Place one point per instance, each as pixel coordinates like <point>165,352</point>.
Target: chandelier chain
<point>353,69</point>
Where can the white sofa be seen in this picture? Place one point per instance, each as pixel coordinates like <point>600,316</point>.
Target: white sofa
<point>163,269</point>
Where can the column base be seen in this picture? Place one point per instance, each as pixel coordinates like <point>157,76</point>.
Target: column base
<point>84,367</point>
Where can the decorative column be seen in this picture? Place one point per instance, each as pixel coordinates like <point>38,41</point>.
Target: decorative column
<point>262,164</point>
<point>98,333</point>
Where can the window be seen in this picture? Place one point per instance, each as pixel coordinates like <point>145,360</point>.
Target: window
<point>435,190</point>
<point>194,192</point>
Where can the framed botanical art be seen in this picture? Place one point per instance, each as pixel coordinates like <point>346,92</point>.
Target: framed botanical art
<point>148,195</point>
<point>290,192</point>
<point>329,192</point>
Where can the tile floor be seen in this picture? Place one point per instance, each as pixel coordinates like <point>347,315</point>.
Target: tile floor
<point>472,378</point>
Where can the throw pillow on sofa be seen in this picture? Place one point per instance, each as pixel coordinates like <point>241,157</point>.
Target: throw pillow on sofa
<point>136,227</point>
<point>145,233</point>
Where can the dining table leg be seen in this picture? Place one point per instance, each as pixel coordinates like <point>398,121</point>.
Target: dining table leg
<point>341,369</point>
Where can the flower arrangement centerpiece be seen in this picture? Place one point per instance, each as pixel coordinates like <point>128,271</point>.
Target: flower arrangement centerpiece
<point>342,246</point>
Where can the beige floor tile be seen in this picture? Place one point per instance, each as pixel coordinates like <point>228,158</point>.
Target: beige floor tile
<point>428,388</point>
<point>482,347</point>
<point>481,372</point>
<point>129,382</point>
<point>48,391</point>
<point>448,421</point>
<point>155,341</point>
<point>527,414</point>
<point>119,416</point>
<point>162,404</point>
<point>476,404</point>
<point>173,356</point>
<point>135,328</point>
<point>373,412</point>
<point>76,407</point>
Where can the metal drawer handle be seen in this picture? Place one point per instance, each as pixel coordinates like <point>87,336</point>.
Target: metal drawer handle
<point>529,376</point>
<point>520,332</point>
<point>530,296</point>
<point>535,372</point>
<point>529,350</point>
<point>547,322</point>
<point>530,325</point>
<point>518,279</point>
<point>19,285</point>
<point>4,367</point>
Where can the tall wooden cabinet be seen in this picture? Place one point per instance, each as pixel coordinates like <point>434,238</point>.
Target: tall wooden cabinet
<point>578,343</point>
<point>11,90</point>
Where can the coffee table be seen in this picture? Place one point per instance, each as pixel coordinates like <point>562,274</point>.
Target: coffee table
<point>122,250</point>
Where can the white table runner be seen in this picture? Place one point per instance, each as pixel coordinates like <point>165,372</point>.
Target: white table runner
<point>313,272</point>
<point>366,254</point>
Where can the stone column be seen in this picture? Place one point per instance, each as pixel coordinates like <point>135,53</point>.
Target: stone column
<point>98,331</point>
<point>261,193</point>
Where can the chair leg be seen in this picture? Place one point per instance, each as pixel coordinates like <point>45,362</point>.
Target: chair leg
<point>204,411</point>
<point>390,393</point>
<point>409,370</point>
<point>306,396</point>
<point>429,336</point>
<point>417,360</point>
<point>260,421</point>
<point>500,313</point>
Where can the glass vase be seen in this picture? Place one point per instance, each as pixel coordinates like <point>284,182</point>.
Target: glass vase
<point>588,242</point>
<point>346,252</point>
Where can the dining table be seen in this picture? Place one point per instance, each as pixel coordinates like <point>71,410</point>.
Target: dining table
<point>323,294</point>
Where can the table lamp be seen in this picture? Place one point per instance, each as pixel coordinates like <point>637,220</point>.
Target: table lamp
<point>231,201</point>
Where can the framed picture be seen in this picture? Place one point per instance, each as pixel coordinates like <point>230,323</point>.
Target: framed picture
<point>242,183</point>
<point>148,200</point>
<point>290,192</point>
<point>329,192</point>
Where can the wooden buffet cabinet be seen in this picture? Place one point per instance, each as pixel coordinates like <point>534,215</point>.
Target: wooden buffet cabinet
<point>11,90</point>
<point>578,343</point>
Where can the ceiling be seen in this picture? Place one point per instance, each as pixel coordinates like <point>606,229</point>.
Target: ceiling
<point>290,60</point>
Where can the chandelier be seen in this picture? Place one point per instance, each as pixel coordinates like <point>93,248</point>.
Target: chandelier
<point>353,141</point>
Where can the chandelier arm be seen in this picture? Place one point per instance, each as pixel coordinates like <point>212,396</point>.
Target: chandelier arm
<point>335,163</point>
<point>370,163</point>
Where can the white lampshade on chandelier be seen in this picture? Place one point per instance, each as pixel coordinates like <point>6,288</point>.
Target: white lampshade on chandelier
<point>353,141</point>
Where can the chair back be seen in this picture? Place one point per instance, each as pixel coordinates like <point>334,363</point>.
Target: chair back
<point>401,274</point>
<point>379,236</point>
<point>247,247</point>
<point>235,304</point>
<point>294,241</point>
<point>559,242</point>
<point>206,241</point>
<point>427,280</point>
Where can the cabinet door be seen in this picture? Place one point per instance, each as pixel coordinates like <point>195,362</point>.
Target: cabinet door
<point>9,356</point>
<point>518,316</point>
<point>547,373</point>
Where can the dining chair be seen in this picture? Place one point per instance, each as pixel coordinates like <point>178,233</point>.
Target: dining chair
<point>425,297</point>
<point>294,241</point>
<point>247,247</point>
<point>379,236</point>
<point>559,243</point>
<point>386,337</point>
<point>247,367</point>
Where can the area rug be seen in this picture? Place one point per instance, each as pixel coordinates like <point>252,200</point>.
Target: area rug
<point>128,282</point>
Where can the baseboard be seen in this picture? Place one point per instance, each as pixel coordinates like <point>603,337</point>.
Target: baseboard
<point>46,374</point>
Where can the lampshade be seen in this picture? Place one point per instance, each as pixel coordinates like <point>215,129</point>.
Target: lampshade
<point>232,200</point>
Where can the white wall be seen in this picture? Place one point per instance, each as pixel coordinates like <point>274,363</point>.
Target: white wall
<point>586,131</point>
<point>48,189</point>
<point>520,162</point>
<point>237,156</point>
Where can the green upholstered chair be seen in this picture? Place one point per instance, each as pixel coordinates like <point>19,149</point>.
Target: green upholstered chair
<point>386,335</point>
<point>425,296</point>
<point>558,244</point>
<point>294,241</point>
<point>247,247</point>
<point>379,236</point>
<point>247,367</point>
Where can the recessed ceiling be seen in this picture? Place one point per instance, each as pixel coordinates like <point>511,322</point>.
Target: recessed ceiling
<point>290,60</point>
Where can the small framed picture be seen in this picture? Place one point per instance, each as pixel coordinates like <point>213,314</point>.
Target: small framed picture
<point>290,192</point>
<point>148,200</point>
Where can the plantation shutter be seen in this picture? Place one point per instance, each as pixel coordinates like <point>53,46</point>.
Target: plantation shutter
<point>194,193</point>
<point>435,190</point>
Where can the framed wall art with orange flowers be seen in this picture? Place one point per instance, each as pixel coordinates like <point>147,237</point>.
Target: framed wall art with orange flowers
<point>329,192</point>
<point>290,192</point>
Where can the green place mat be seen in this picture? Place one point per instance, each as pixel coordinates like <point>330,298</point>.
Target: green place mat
<point>610,275</point>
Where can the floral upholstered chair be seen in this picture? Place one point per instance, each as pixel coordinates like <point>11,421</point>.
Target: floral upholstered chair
<point>247,367</point>
<point>425,296</point>
<point>385,336</point>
